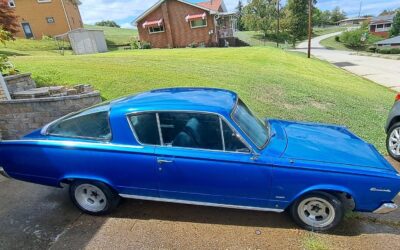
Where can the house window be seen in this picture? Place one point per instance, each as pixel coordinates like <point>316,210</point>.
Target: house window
<point>11,3</point>
<point>380,26</point>
<point>50,20</point>
<point>198,23</point>
<point>159,29</point>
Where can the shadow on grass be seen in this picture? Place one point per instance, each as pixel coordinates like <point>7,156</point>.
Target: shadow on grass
<point>12,53</point>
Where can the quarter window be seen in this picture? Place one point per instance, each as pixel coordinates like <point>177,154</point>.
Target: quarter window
<point>145,128</point>
<point>91,124</point>
<point>198,23</point>
<point>159,29</point>
<point>232,141</point>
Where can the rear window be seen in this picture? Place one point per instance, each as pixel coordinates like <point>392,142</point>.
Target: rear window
<point>91,123</point>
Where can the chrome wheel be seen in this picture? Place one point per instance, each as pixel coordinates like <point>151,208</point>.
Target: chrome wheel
<point>90,198</point>
<point>316,212</point>
<point>394,142</point>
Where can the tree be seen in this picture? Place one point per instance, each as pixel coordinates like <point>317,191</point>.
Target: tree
<point>387,12</point>
<point>337,14</point>
<point>260,15</point>
<point>8,19</point>
<point>239,12</point>
<point>395,30</point>
<point>108,23</point>
<point>5,36</point>
<point>297,19</point>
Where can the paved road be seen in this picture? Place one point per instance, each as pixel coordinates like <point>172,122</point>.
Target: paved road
<point>37,217</point>
<point>385,72</point>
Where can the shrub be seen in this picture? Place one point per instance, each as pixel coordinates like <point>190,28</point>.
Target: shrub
<point>395,51</point>
<point>355,38</point>
<point>6,67</point>
<point>388,51</point>
<point>47,38</point>
<point>337,38</point>
<point>371,49</point>
<point>193,45</point>
<point>135,44</point>
<point>146,45</point>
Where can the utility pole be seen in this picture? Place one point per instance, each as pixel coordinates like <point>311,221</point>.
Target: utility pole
<point>278,23</point>
<point>359,13</point>
<point>310,6</point>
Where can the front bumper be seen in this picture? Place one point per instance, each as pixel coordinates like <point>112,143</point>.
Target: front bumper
<point>386,208</point>
<point>4,173</point>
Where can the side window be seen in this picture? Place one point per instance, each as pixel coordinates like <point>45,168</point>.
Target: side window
<point>191,130</point>
<point>232,142</point>
<point>146,129</point>
<point>92,124</point>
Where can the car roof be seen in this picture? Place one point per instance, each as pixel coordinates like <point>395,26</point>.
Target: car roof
<point>178,99</point>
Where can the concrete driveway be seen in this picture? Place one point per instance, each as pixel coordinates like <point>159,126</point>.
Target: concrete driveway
<point>37,217</point>
<point>385,72</point>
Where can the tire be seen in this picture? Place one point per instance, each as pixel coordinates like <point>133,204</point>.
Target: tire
<point>93,197</point>
<point>318,211</point>
<point>393,141</point>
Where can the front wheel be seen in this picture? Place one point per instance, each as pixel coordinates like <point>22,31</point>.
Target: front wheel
<point>317,211</point>
<point>93,197</point>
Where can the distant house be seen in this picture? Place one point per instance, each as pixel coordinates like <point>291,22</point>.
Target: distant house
<point>393,42</point>
<point>46,17</point>
<point>381,25</point>
<point>178,23</point>
<point>355,21</point>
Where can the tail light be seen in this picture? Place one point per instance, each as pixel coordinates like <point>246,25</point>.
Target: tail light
<point>398,97</point>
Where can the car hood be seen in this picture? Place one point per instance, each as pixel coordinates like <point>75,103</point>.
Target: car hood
<point>330,144</point>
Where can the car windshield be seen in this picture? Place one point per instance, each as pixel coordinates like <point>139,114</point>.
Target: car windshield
<point>256,129</point>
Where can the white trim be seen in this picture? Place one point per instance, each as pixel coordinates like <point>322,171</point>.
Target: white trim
<point>44,1</point>
<point>156,32</point>
<point>156,5</point>
<point>13,3</point>
<point>208,204</point>
<point>4,87</point>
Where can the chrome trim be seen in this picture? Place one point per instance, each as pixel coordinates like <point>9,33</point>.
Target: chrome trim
<point>221,128</point>
<point>250,148</point>
<point>159,129</point>
<point>4,173</point>
<point>386,208</point>
<point>380,190</point>
<point>208,204</point>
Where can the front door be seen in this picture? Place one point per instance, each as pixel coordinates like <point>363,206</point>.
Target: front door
<point>27,30</point>
<point>201,164</point>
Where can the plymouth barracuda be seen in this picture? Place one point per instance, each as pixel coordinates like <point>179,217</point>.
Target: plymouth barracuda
<point>204,147</point>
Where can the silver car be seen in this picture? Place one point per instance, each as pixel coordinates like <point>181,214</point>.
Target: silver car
<point>393,130</point>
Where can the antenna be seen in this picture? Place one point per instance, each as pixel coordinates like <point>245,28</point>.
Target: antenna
<point>359,13</point>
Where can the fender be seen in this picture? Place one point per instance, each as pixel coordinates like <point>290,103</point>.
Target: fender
<point>67,178</point>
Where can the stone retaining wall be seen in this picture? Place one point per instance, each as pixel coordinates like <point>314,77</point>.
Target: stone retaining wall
<point>19,117</point>
<point>2,94</point>
<point>20,82</point>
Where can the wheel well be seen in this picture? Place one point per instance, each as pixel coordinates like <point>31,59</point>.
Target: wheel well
<point>67,181</point>
<point>395,119</point>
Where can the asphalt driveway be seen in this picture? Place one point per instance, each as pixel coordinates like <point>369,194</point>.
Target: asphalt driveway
<point>37,217</point>
<point>385,72</point>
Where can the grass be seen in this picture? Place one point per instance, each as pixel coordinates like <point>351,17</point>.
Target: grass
<point>254,38</point>
<point>24,45</point>
<point>312,242</point>
<point>116,36</point>
<point>327,30</point>
<point>273,82</point>
<point>331,43</point>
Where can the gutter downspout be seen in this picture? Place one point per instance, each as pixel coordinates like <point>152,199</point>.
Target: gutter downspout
<point>66,15</point>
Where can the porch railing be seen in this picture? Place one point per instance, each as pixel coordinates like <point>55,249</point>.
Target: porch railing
<point>225,33</point>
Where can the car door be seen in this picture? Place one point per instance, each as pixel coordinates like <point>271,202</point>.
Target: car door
<point>203,160</point>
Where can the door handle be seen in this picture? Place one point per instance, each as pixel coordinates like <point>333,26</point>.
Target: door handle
<point>163,161</point>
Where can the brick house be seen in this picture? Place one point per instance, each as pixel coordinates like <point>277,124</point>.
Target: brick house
<point>178,23</point>
<point>381,25</point>
<point>46,17</point>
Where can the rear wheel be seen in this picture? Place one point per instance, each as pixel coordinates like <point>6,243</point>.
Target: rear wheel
<point>393,141</point>
<point>93,197</point>
<point>317,211</point>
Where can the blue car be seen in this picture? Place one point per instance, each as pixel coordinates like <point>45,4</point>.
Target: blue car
<point>204,147</point>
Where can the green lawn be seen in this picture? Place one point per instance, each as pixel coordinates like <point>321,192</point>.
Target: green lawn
<point>254,38</point>
<point>331,43</point>
<point>273,82</point>
<point>116,36</point>
<point>327,30</point>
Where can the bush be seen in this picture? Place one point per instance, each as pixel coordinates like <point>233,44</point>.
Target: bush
<point>371,49</point>
<point>6,67</point>
<point>337,38</point>
<point>193,45</point>
<point>146,45</point>
<point>355,38</point>
<point>388,51</point>
<point>135,44</point>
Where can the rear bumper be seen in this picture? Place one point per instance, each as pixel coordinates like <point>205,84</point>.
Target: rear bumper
<point>4,173</point>
<point>386,208</point>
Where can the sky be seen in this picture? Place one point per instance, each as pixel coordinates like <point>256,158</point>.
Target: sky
<point>125,11</point>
